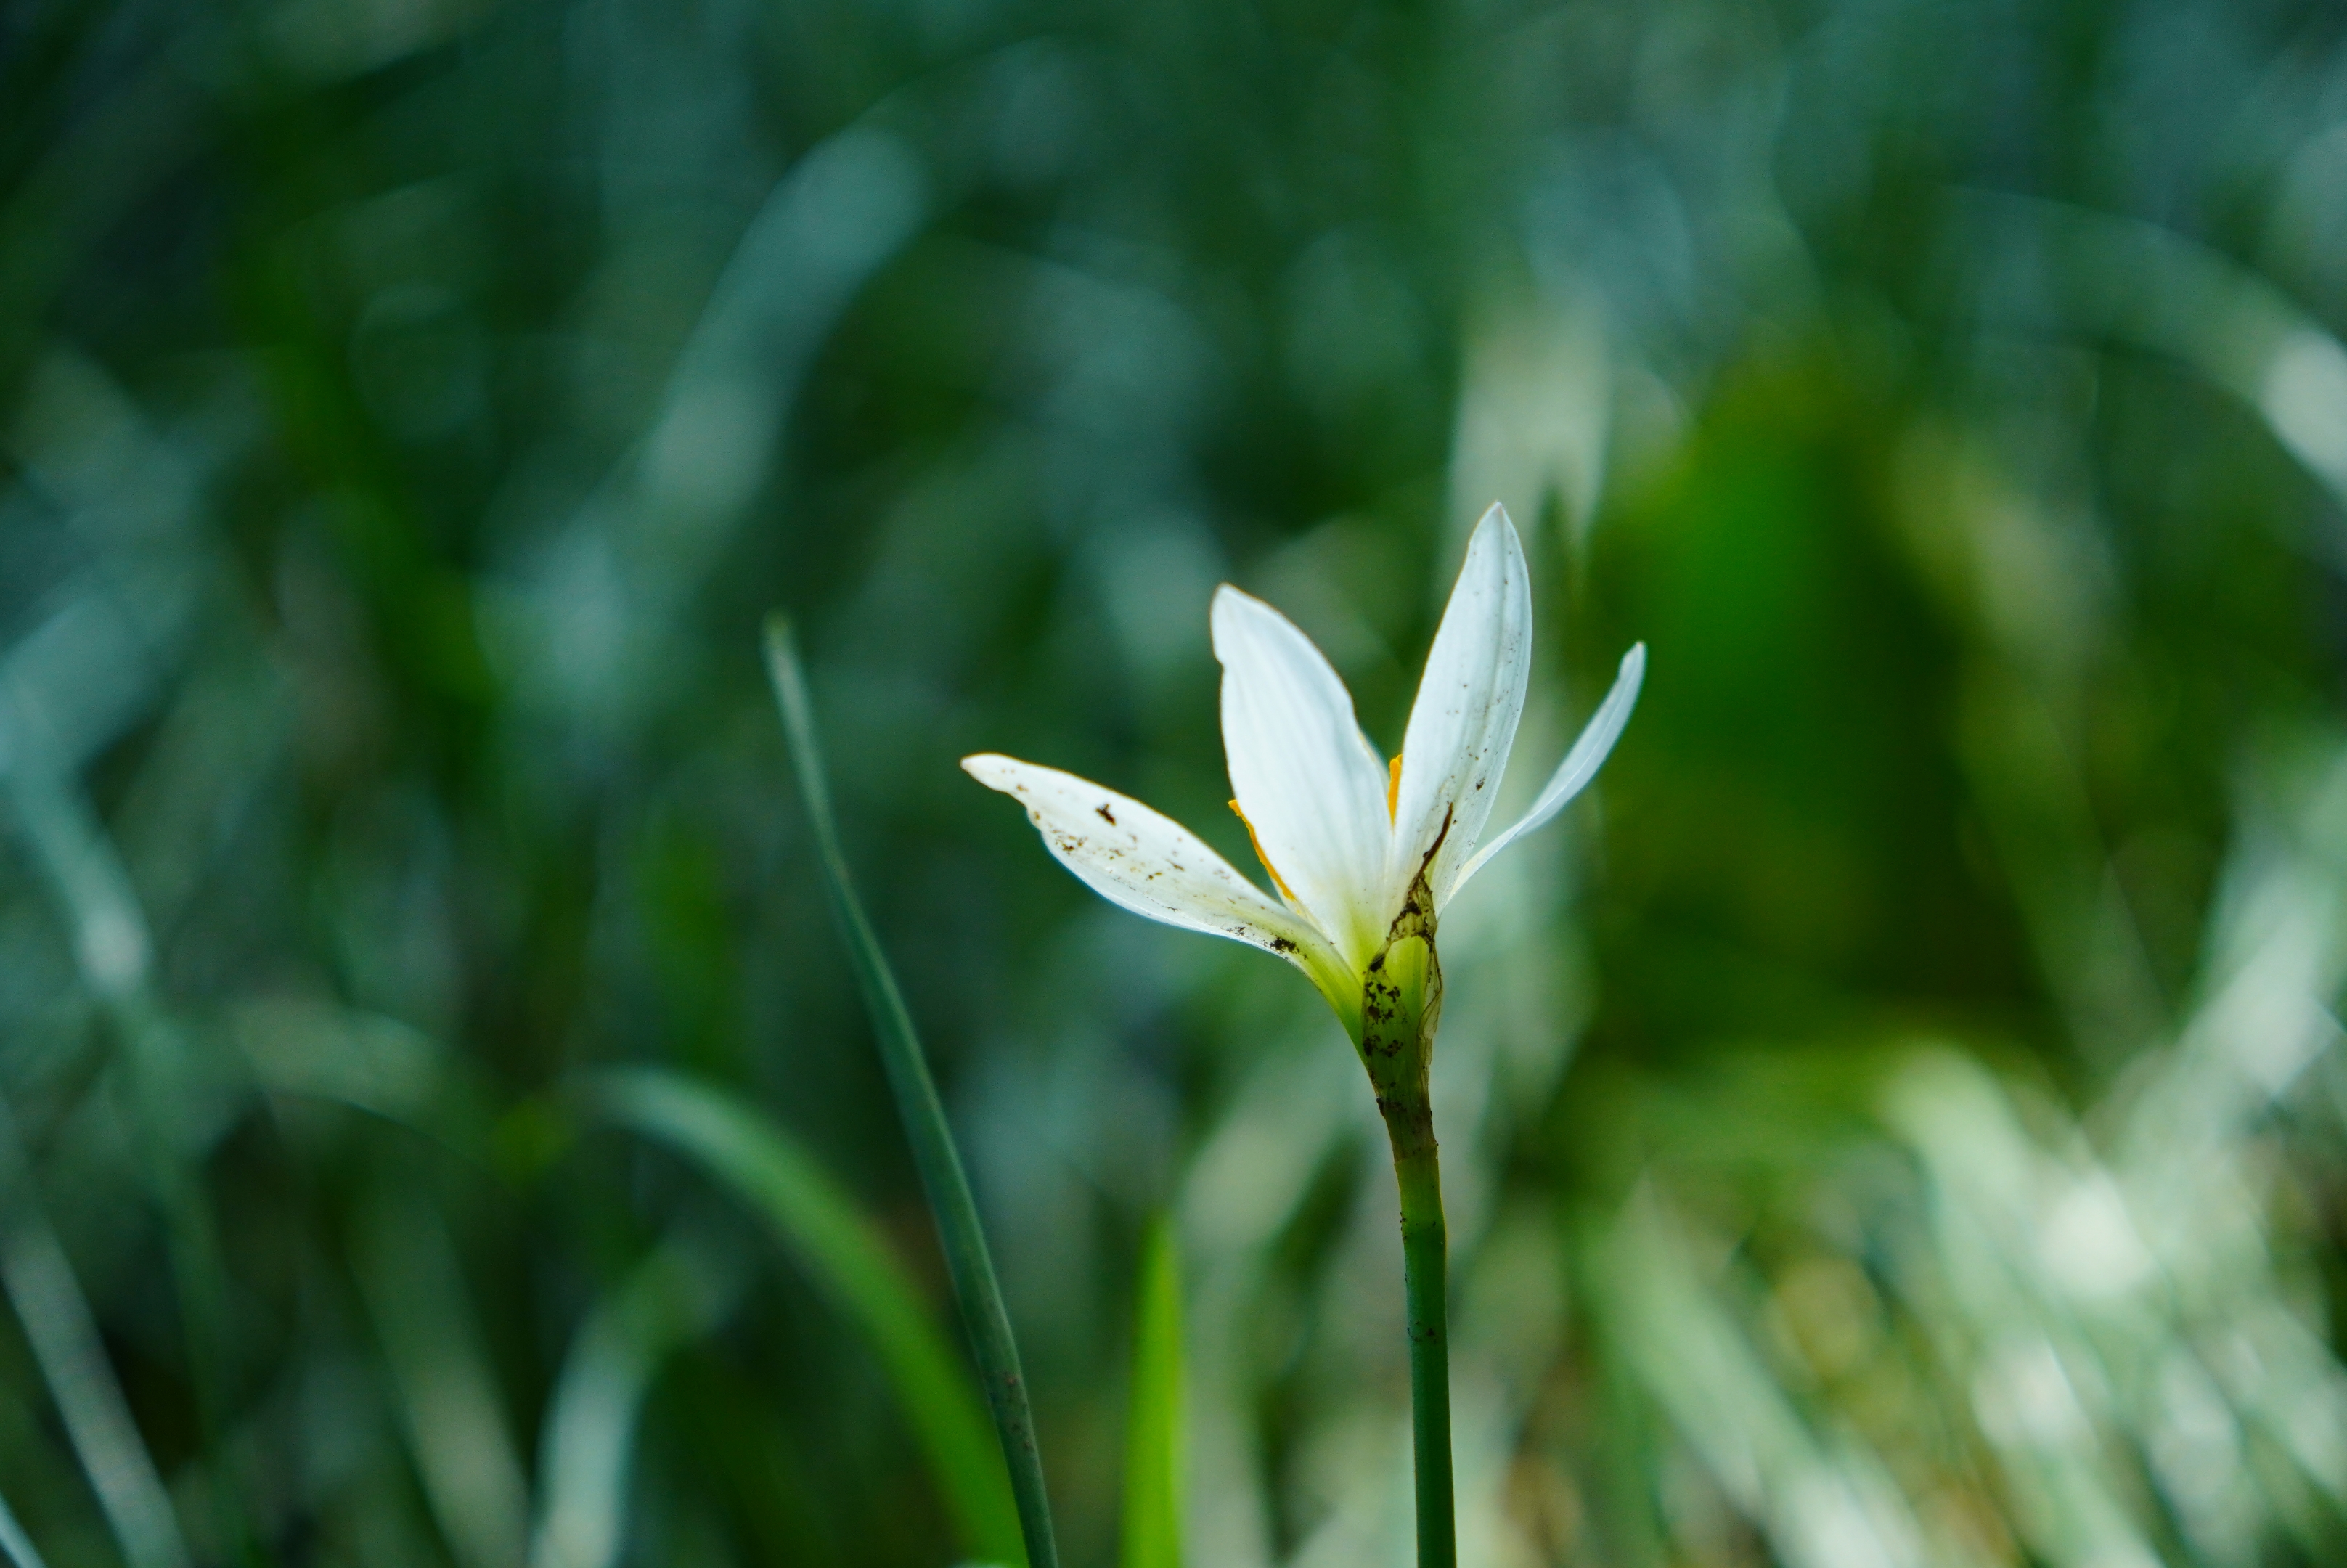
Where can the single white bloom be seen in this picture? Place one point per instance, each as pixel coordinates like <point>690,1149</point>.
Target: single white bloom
<point>1343,834</point>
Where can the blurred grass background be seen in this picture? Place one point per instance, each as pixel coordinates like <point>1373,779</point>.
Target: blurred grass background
<point>1895,1119</point>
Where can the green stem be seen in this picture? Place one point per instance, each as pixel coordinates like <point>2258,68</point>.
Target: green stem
<point>1424,1249</point>
<point>951,1204</point>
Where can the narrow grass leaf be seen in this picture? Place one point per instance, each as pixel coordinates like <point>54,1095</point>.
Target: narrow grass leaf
<point>176,1110</point>
<point>844,1253</point>
<point>305,1050</point>
<point>951,1205</point>
<point>15,1544</point>
<point>1155,1428</point>
<point>58,1325</point>
<point>443,1379</point>
<point>675,1295</point>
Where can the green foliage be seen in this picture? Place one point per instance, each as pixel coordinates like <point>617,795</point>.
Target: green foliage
<point>943,1181</point>
<point>819,1224</point>
<point>1155,1433</point>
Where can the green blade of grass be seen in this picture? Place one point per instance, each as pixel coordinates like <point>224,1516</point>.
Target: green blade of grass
<point>377,1066</point>
<point>844,1253</point>
<point>442,1377</point>
<point>40,1284</point>
<point>113,948</point>
<point>951,1205</point>
<point>1154,1428</point>
<point>15,1544</point>
<point>586,1445</point>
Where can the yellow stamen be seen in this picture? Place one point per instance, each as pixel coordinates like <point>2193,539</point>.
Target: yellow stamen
<point>1277,879</point>
<point>1393,788</point>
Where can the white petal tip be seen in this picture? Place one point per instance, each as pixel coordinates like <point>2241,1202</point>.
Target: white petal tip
<point>1237,613</point>
<point>1634,663</point>
<point>1228,601</point>
<point>988,768</point>
<point>1232,599</point>
<point>1496,545</point>
<point>1496,531</point>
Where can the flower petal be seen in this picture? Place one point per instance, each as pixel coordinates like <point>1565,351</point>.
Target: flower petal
<point>1153,866</point>
<point>1572,774</point>
<point>1469,702</point>
<point>1310,784</point>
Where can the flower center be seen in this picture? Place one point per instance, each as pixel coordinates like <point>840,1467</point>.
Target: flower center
<point>1393,787</point>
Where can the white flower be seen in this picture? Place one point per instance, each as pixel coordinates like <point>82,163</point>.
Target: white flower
<point>1344,835</point>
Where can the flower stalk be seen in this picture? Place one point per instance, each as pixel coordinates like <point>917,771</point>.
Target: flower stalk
<point>1424,1258</point>
<point>1401,1005</point>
